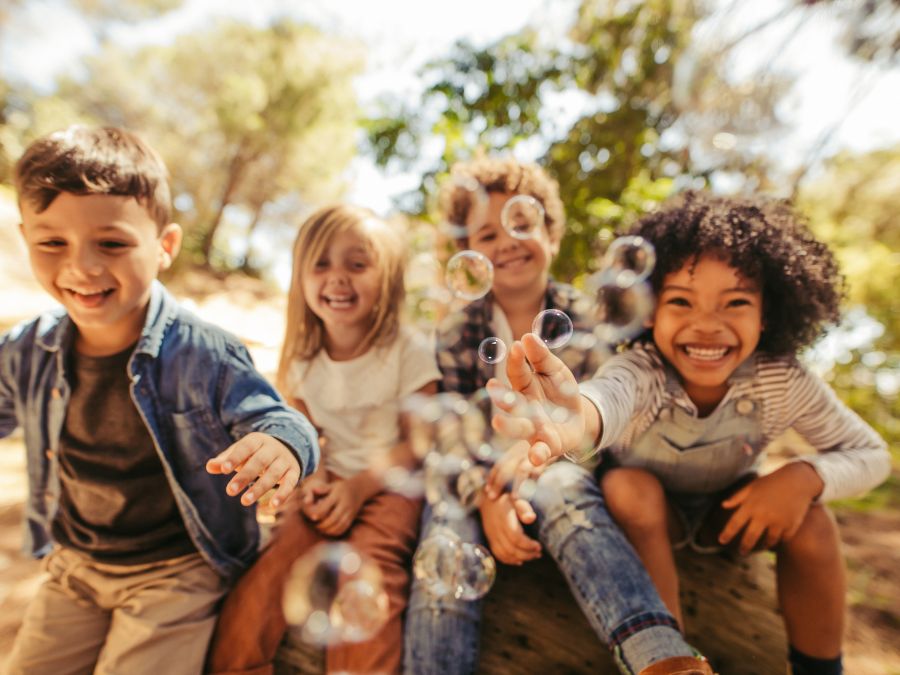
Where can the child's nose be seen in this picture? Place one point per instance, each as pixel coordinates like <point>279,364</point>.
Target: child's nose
<point>84,261</point>
<point>708,322</point>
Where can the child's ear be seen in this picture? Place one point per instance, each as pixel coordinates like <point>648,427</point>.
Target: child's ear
<point>169,245</point>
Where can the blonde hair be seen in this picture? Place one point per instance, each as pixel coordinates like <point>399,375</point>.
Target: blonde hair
<point>304,331</point>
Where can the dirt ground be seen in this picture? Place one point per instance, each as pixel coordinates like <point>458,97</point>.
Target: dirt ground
<point>871,539</point>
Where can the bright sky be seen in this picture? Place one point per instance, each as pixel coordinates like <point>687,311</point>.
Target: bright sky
<point>403,34</point>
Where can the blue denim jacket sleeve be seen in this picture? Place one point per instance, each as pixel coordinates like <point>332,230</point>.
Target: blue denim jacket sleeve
<point>8,418</point>
<point>247,403</point>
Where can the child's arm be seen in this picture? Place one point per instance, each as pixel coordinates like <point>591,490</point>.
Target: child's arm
<point>542,387</point>
<point>276,444</point>
<point>852,460</point>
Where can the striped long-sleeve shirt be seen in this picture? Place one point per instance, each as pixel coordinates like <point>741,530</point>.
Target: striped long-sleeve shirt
<point>632,388</point>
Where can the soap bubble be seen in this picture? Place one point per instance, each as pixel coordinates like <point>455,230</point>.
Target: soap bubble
<point>554,327</point>
<point>492,350</point>
<point>619,310</point>
<point>630,258</point>
<point>522,216</point>
<point>336,595</point>
<point>450,567</point>
<point>469,275</point>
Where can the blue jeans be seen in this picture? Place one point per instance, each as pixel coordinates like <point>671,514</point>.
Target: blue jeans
<point>606,577</point>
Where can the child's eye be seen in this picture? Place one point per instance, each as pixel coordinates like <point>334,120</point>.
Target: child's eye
<point>51,243</point>
<point>678,302</point>
<point>113,245</point>
<point>738,302</point>
<point>486,237</point>
<point>321,265</point>
<point>358,266</point>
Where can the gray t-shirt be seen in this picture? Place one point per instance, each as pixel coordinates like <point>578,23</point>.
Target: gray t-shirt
<point>115,502</point>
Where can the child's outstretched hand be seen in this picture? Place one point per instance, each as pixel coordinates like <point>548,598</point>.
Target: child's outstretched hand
<point>260,461</point>
<point>772,507</point>
<point>544,406</point>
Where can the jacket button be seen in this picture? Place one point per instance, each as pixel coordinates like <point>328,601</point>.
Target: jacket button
<point>55,393</point>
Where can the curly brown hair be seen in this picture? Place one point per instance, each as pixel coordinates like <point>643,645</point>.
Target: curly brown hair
<point>766,241</point>
<point>505,175</point>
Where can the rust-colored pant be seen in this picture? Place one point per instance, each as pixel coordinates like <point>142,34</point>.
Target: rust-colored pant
<point>252,624</point>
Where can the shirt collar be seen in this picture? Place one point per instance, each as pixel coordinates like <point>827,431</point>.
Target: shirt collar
<point>161,312</point>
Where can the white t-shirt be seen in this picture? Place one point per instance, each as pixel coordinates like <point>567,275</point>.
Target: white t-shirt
<point>356,403</point>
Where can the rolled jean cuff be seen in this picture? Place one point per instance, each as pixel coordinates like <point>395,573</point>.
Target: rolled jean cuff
<point>641,622</point>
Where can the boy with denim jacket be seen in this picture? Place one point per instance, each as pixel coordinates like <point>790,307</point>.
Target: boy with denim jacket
<point>567,515</point>
<point>134,413</point>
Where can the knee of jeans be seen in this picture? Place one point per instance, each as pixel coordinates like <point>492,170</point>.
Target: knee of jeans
<point>562,486</point>
<point>567,499</point>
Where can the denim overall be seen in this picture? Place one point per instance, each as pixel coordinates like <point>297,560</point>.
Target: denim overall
<point>696,459</point>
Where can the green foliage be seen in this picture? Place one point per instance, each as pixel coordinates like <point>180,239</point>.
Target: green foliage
<point>637,140</point>
<point>853,206</point>
<point>244,117</point>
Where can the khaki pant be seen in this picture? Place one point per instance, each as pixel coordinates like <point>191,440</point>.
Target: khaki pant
<point>90,617</point>
<point>252,622</point>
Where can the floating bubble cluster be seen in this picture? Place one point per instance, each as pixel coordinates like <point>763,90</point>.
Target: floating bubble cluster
<point>450,567</point>
<point>335,595</point>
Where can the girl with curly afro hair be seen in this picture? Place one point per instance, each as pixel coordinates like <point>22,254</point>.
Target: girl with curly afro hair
<point>684,416</point>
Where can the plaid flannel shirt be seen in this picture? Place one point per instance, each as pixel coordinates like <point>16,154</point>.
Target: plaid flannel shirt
<point>461,333</point>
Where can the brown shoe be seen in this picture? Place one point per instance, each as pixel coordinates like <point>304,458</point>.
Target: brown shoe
<point>679,665</point>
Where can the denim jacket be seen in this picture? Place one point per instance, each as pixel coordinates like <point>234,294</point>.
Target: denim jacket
<point>197,391</point>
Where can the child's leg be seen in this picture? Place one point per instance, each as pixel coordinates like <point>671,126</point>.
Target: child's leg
<point>637,502</point>
<point>812,586</point>
<point>441,635</point>
<point>607,578</point>
<point>251,623</point>
<point>386,530</point>
<point>164,614</point>
<point>63,629</point>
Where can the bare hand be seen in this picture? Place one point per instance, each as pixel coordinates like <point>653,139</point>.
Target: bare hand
<point>334,511</point>
<point>505,536</point>
<point>544,406</point>
<point>771,507</point>
<point>260,461</point>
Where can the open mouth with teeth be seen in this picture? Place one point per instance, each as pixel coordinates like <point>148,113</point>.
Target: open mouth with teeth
<point>89,298</point>
<point>706,352</point>
<point>339,301</point>
<point>512,263</point>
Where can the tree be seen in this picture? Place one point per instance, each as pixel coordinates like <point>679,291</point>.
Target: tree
<point>243,116</point>
<point>645,130</point>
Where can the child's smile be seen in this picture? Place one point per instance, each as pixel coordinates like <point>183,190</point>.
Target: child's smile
<point>342,286</point>
<point>707,322</point>
<point>98,255</point>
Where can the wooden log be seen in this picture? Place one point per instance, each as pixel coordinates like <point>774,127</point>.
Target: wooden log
<point>532,624</point>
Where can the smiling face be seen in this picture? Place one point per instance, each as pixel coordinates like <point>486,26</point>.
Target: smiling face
<point>708,320</point>
<point>519,264</point>
<point>342,285</point>
<point>98,255</point>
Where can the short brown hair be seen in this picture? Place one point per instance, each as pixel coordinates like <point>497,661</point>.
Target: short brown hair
<point>504,175</point>
<point>84,160</point>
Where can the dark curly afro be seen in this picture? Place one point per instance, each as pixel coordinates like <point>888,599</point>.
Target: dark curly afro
<point>766,241</point>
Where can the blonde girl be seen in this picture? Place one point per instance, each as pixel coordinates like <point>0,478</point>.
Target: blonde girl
<point>346,362</point>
